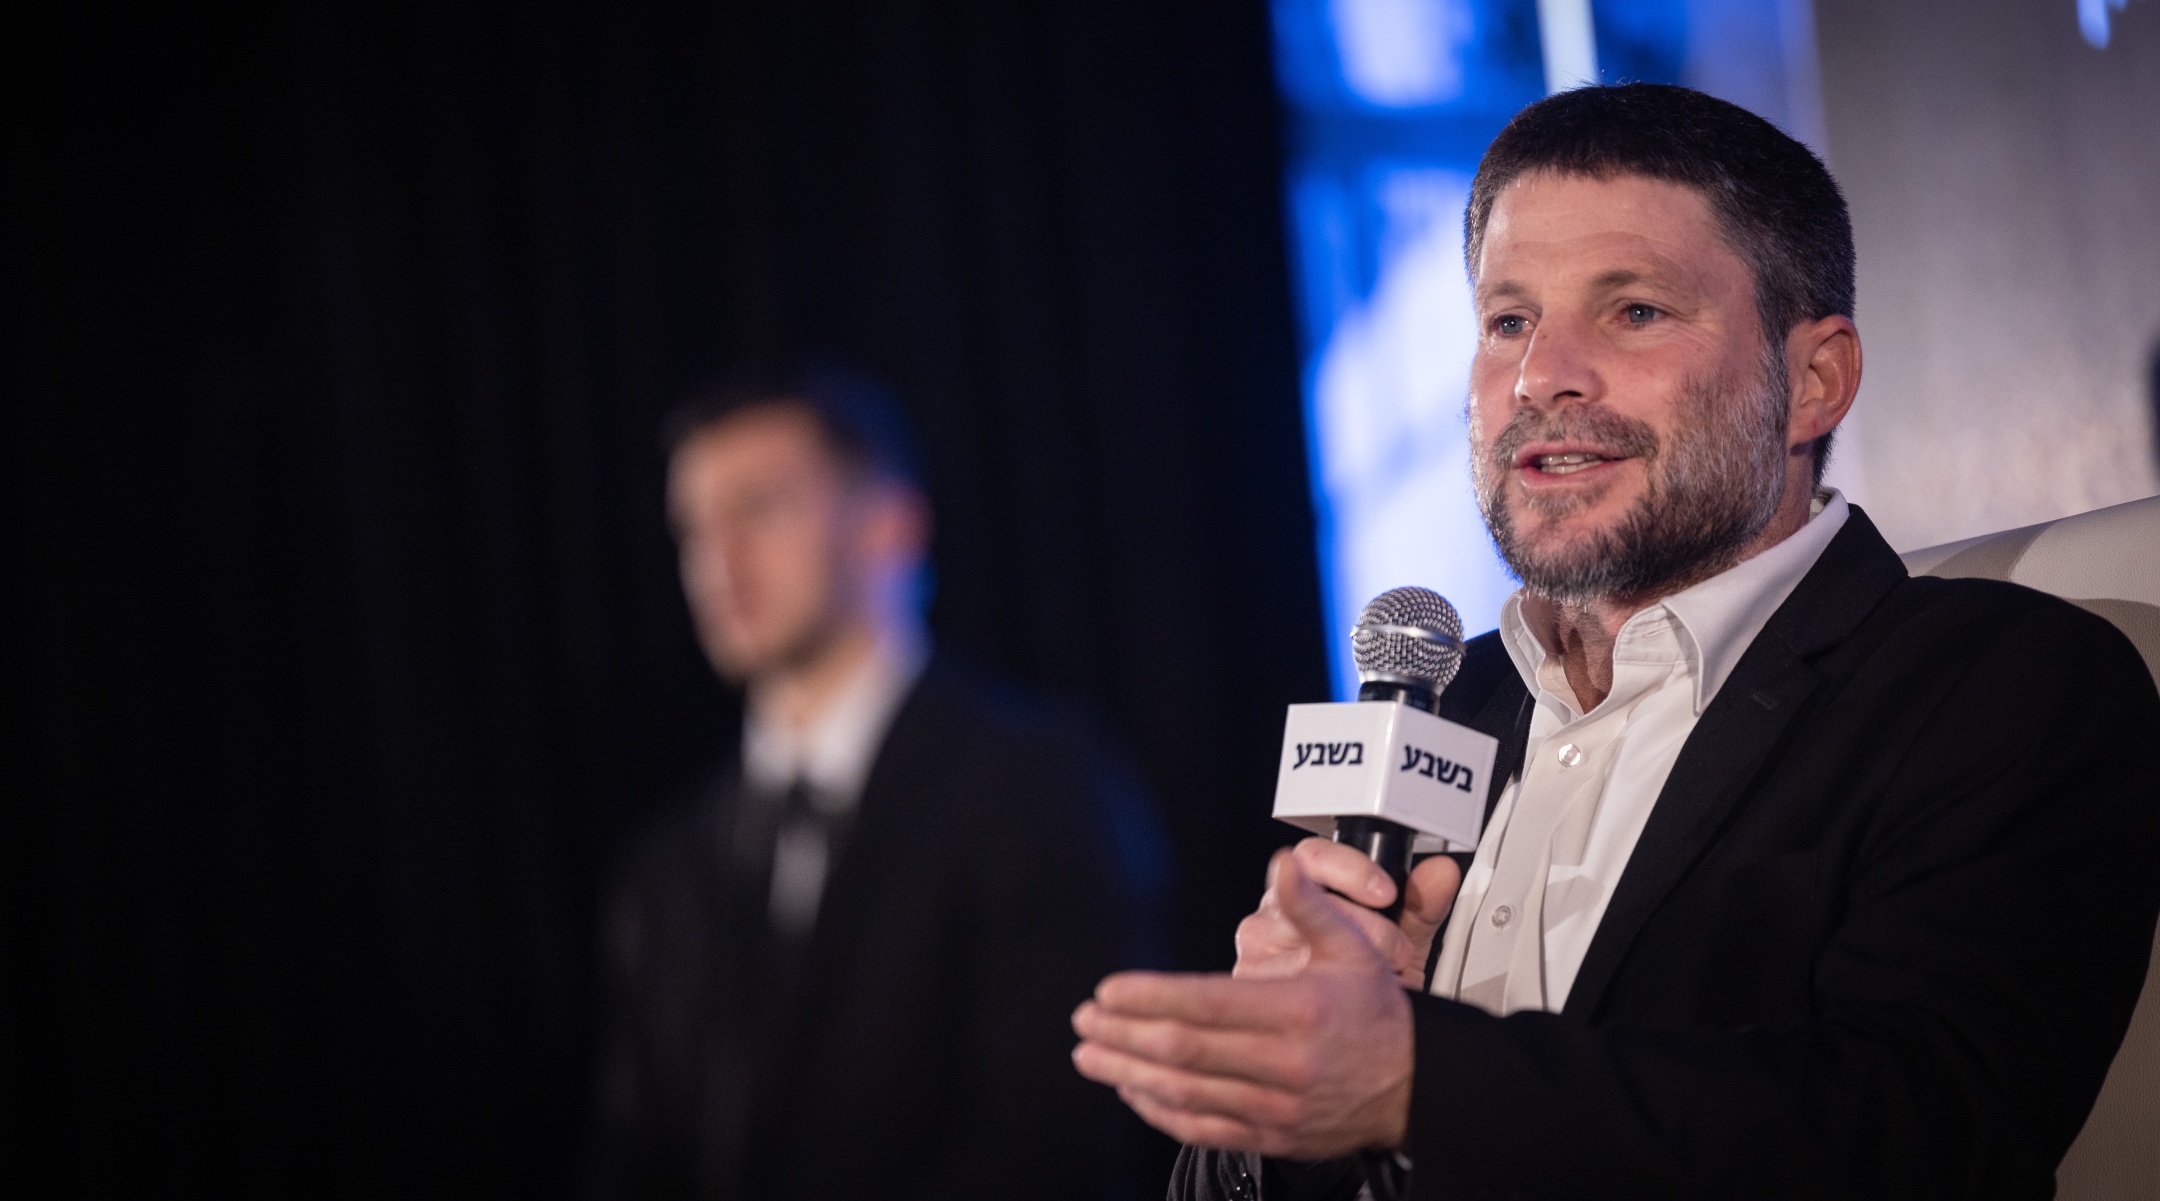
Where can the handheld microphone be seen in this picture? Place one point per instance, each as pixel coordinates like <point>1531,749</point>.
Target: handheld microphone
<point>1379,771</point>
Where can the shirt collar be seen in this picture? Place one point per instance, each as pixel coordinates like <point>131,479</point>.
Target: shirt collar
<point>1718,618</point>
<point>1724,613</point>
<point>835,752</point>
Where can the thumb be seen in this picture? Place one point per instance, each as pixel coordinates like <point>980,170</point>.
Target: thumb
<point>1331,934</point>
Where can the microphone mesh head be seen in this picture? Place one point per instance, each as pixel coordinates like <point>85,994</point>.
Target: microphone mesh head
<point>1409,634</point>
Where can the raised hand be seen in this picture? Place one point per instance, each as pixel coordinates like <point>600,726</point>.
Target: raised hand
<point>1307,1065</point>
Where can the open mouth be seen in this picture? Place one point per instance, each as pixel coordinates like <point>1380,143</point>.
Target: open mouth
<point>1567,464</point>
<point>1556,462</point>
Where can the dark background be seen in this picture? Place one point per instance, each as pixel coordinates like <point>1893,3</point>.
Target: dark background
<point>347,633</point>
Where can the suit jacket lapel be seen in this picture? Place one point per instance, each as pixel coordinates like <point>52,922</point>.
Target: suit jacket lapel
<point>1501,710</point>
<point>1489,696</point>
<point>1736,738</point>
<point>1507,719</point>
<point>899,774</point>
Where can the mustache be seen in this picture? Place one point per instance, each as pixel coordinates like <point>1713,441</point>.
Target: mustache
<point>1576,423</point>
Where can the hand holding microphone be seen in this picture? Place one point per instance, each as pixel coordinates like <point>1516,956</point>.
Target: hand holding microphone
<point>1306,1050</point>
<point>1270,945</point>
<point>1377,773</point>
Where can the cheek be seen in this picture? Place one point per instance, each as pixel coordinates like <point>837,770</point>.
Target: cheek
<point>796,557</point>
<point>1492,384</point>
<point>1489,410</point>
<point>1664,386</point>
<point>711,588</point>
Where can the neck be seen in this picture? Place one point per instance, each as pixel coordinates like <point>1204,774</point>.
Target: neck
<point>1585,630</point>
<point>799,695</point>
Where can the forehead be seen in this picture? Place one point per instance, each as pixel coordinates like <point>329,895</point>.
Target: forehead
<point>1548,224</point>
<point>759,442</point>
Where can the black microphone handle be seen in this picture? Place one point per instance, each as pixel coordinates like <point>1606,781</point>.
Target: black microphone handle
<point>1417,696</point>
<point>1385,843</point>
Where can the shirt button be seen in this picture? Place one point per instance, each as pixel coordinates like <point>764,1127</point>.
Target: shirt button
<point>1570,754</point>
<point>1502,916</point>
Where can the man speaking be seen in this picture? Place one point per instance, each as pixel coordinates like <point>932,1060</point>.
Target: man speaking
<point>1806,878</point>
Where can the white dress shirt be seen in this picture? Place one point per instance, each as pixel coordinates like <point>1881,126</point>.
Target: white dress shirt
<point>834,752</point>
<point>1591,779</point>
<point>831,757</point>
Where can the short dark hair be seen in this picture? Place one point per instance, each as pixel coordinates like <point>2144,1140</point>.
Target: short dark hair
<point>1774,200</point>
<point>860,419</point>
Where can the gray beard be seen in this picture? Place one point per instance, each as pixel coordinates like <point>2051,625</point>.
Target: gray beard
<point>1711,491</point>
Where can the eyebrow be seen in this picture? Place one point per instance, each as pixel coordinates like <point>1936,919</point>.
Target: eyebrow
<point>1505,288</point>
<point>1621,277</point>
<point>1604,281</point>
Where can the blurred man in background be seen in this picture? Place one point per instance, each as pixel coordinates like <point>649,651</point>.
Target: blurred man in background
<point>844,967</point>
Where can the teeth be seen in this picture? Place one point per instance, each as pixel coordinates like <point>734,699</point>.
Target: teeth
<point>1563,464</point>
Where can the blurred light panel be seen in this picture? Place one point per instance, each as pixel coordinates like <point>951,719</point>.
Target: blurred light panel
<point>1391,103</point>
<point>2093,22</point>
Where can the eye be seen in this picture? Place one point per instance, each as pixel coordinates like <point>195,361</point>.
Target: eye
<point>1510,325</point>
<point>1641,314</point>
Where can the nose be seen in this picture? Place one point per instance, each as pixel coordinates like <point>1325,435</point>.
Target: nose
<point>1557,367</point>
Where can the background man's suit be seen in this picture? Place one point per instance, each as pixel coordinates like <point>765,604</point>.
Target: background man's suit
<point>1880,937</point>
<point>997,866</point>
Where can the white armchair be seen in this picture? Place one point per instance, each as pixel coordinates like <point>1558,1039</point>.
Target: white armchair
<point>2106,561</point>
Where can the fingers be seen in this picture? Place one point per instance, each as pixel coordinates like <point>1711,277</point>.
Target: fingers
<point>1265,1058</point>
<point>1381,934</point>
<point>1191,1092</point>
<point>1335,936</point>
<point>1270,946</point>
<point>1430,893</point>
<point>1205,1000</point>
<point>1310,1066</point>
<point>1346,870</point>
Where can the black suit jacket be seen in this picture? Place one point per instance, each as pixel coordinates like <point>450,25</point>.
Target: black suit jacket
<point>998,866</point>
<point>1880,937</point>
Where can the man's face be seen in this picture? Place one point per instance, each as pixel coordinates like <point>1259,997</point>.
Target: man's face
<point>770,530</point>
<point>1627,423</point>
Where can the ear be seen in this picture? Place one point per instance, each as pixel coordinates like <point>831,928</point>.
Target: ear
<point>899,523</point>
<point>1823,362</point>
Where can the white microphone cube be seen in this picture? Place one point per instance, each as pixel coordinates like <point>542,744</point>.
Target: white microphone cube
<point>1387,760</point>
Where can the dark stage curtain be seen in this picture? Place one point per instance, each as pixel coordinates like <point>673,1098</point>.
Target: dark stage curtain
<point>348,636</point>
